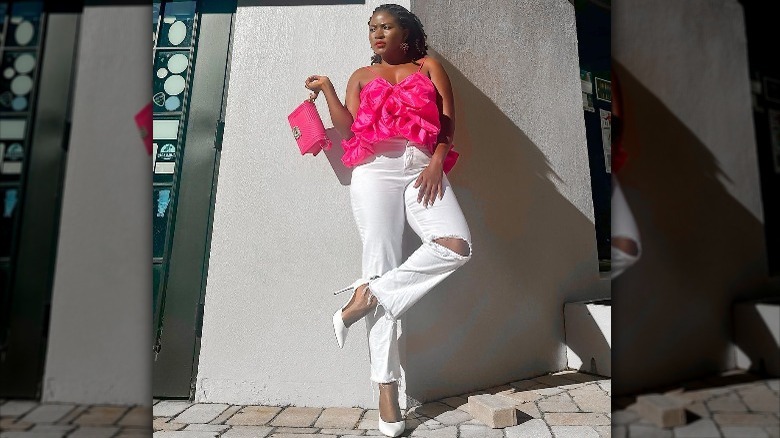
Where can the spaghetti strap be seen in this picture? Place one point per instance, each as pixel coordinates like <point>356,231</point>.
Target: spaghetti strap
<point>421,64</point>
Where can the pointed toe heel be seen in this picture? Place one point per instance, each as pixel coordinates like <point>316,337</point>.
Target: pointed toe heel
<point>392,429</point>
<point>339,328</point>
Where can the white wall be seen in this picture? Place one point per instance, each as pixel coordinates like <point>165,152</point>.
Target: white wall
<point>99,349</point>
<point>524,185</point>
<point>284,236</point>
<point>692,182</point>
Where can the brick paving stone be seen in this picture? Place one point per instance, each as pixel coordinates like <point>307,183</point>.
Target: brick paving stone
<point>367,423</point>
<point>254,416</point>
<point>523,397</point>
<point>557,403</point>
<point>743,432</point>
<point>549,391</point>
<point>352,436</point>
<point>189,434</point>
<point>699,409</point>
<point>453,417</point>
<point>72,415</point>
<point>296,417</point>
<point>247,432</point>
<point>343,431</point>
<point>588,388</point>
<point>739,419</point>
<point>703,428</point>
<point>101,415</point>
<point>648,431</point>
<point>339,418</point>
<point>207,427</point>
<point>603,431</point>
<point>595,402</point>
<point>444,432</point>
<point>535,428</point>
<point>163,423</point>
<point>296,430</point>
<point>137,416</point>
<point>726,403</point>
<point>170,408</point>
<point>201,413</point>
<point>48,413</point>
<point>61,428</point>
<point>455,402</point>
<point>19,434</point>
<point>773,431</point>
<point>761,400</point>
<point>300,435</point>
<point>576,419</point>
<point>16,408</point>
<point>94,432</point>
<point>134,433</point>
<point>431,410</point>
<point>432,424</point>
<point>479,431</point>
<point>10,423</point>
<point>529,409</point>
<point>225,415</point>
<point>606,385</point>
<point>574,432</point>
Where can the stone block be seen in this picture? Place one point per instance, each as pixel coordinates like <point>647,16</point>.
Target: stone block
<point>494,411</point>
<point>661,410</point>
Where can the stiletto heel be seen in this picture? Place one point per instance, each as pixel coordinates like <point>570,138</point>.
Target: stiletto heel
<point>339,328</point>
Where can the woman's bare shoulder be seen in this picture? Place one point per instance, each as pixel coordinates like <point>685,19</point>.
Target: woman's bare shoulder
<point>431,65</point>
<point>361,76</point>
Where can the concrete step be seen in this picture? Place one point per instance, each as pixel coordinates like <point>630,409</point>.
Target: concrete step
<point>588,326</point>
<point>757,336</point>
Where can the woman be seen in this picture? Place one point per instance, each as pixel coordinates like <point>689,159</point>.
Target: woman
<point>398,129</point>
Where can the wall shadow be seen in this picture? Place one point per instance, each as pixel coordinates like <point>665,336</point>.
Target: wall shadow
<point>588,343</point>
<point>702,250</point>
<point>500,317</point>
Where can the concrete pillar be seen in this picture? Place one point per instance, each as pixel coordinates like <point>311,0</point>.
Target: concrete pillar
<point>100,333</point>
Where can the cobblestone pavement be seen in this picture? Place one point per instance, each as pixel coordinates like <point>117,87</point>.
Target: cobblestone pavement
<point>566,404</point>
<point>735,404</point>
<point>31,419</point>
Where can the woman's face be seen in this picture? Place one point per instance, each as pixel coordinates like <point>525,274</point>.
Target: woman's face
<point>385,34</point>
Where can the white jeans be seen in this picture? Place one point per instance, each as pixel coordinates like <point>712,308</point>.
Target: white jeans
<point>383,199</point>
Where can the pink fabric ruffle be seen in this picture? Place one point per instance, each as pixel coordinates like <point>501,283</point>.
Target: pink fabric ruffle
<point>407,109</point>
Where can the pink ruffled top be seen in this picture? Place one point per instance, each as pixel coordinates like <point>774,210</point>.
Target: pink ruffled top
<point>407,109</point>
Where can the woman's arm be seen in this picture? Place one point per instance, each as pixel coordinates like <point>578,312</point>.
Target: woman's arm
<point>430,180</point>
<point>342,116</point>
<point>446,103</point>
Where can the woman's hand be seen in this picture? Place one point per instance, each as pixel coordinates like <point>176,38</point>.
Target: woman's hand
<point>316,83</point>
<point>430,183</point>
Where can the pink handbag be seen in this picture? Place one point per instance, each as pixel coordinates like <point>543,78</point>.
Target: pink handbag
<point>308,130</point>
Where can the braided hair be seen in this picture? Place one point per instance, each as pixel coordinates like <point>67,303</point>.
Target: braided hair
<point>418,47</point>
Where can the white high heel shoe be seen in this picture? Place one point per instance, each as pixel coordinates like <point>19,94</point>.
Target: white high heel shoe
<point>392,429</point>
<point>339,328</point>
